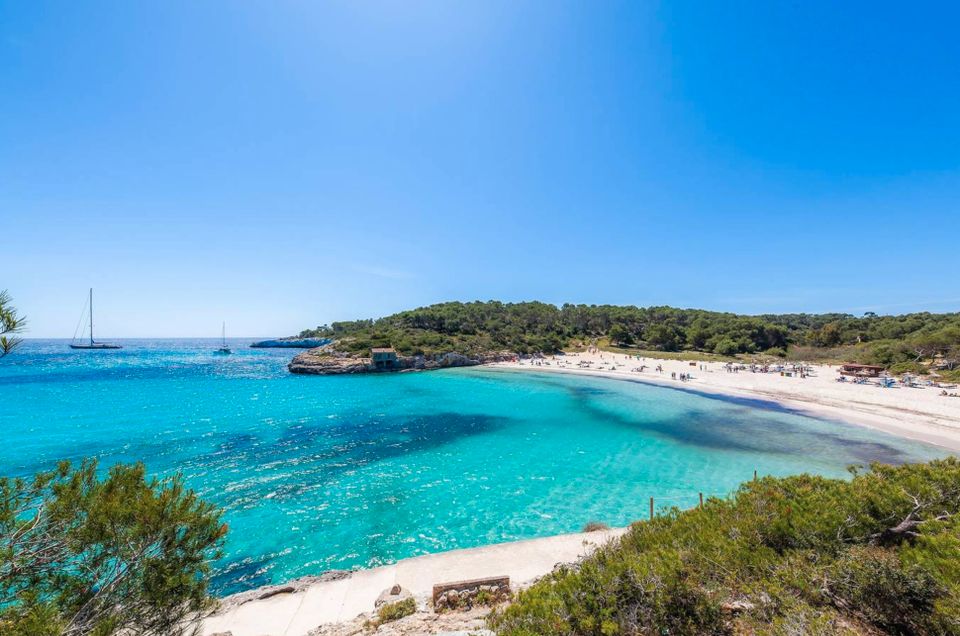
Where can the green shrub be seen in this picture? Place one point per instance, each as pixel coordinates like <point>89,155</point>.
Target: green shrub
<point>726,347</point>
<point>895,597</point>
<point>88,553</point>
<point>801,555</point>
<point>595,526</point>
<point>908,367</point>
<point>887,353</point>
<point>396,611</point>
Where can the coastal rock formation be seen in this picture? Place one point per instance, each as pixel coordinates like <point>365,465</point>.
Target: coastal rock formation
<point>322,361</point>
<point>292,587</point>
<point>423,622</point>
<point>393,594</point>
<point>326,360</point>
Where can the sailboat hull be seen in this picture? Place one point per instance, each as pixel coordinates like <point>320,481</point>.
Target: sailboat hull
<point>92,344</point>
<point>224,350</point>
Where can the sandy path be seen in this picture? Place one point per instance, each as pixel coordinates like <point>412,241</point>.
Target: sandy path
<point>343,600</point>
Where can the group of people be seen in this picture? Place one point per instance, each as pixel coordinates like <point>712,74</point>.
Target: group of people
<point>885,381</point>
<point>800,370</point>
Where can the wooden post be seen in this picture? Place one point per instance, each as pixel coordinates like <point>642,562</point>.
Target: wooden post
<point>651,508</point>
<point>701,500</point>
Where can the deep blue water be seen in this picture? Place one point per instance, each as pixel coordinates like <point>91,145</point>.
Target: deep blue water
<point>338,472</point>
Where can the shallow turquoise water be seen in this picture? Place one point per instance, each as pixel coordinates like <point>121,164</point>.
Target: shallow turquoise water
<point>338,472</point>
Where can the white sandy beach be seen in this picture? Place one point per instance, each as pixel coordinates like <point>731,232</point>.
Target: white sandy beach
<point>916,413</point>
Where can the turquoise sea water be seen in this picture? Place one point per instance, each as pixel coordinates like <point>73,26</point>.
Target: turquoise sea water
<point>338,472</point>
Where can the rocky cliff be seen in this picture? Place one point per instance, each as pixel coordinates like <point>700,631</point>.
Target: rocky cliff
<point>327,360</point>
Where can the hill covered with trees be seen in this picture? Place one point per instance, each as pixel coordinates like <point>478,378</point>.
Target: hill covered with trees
<point>907,340</point>
<point>799,555</point>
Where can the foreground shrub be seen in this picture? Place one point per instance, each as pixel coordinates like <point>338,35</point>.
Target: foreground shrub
<point>799,555</point>
<point>396,611</point>
<point>595,526</point>
<point>875,584</point>
<point>123,554</point>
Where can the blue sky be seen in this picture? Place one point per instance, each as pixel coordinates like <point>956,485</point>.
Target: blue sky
<point>282,164</point>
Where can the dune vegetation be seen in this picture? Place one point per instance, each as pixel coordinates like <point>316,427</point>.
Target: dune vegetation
<point>878,554</point>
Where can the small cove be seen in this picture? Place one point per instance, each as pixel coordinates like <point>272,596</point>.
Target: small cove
<point>316,473</point>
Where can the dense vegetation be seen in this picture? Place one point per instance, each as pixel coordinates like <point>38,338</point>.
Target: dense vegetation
<point>101,556</point>
<point>799,555</point>
<point>905,340</point>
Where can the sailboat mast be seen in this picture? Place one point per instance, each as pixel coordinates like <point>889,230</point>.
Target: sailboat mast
<point>223,334</point>
<point>91,315</point>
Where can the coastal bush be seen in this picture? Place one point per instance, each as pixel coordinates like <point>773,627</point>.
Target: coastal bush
<point>726,347</point>
<point>886,353</point>
<point>908,367</point>
<point>949,376</point>
<point>843,353</point>
<point>595,526</point>
<point>878,554</point>
<point>897,598</point>
<point>395,611</point>
<point>84,554</point>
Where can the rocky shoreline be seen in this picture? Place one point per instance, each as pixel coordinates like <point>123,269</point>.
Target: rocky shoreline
<point>295,586</point>
<point>327,360</point>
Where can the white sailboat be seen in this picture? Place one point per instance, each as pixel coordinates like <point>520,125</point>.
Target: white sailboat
<point>224,349</point>
<point>93,344</point>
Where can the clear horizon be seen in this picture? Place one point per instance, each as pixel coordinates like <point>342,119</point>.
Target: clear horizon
<point>101,336</point>
<point>284,166</point>
<point>266,336</point>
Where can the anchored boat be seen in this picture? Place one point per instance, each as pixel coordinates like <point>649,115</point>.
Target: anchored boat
<point>93,344</point>
<point>224,349</point>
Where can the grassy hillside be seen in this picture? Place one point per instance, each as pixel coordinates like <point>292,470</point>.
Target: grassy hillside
<point>802,555</point>
<point>906,342</point>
